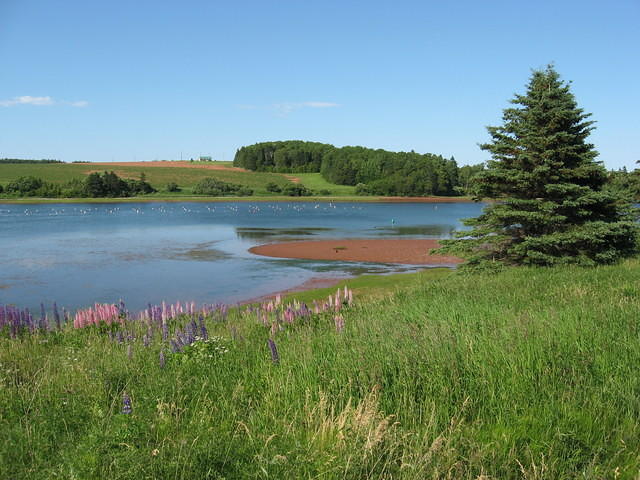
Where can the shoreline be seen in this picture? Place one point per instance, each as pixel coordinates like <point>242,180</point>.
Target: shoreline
<point>314,283</point>
<point>398,251</point>
<point>196,199</point>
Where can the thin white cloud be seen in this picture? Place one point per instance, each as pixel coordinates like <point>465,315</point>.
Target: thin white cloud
<point>40,102</point>
<point>320,104</point>
<point>27,100</point>
<point>288,107</point>
<point>79,104</point>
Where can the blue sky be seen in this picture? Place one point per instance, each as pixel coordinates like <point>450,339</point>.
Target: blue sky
<point>144,80</point>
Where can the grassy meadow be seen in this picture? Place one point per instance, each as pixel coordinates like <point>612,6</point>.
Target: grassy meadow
<point>157,176</point>
<point>315,182</point>
<point>529,373</point>
<point>186,177</point>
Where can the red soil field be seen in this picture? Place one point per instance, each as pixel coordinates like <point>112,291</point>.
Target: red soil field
<point>166,163</point>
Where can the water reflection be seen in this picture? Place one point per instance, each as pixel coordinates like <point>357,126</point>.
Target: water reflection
<point>434,230</point>
<point>261,233</point>
<point>202,252</point>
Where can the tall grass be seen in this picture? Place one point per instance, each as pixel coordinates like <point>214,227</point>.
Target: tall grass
<point>531,373</point>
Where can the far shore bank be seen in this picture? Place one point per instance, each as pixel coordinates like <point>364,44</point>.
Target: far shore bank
<point>174,199</point>
<point>400,251</point>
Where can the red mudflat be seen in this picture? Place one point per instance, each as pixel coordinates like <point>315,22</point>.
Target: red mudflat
<point>403,251</point>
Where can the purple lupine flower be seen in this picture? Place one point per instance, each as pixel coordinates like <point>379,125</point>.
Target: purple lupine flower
<point>165,330</point>
<point>43,318</point>
<point>203,329</point>
<point>180,339</point>
<point>126,404</point>
<point>175,348</point>
<point>304,311</point>
<point>192,329</point>
<point>145,339</point>
<point>275,358</point>
<point>339,321</point>
<point>25,319</point>
<point>163,360</point>
<point>56,315</point>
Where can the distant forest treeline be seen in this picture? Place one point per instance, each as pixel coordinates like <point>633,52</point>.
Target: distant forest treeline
<point>18,160</point>
<point>376,172</point>
<point>96,185</point>
<point>625,182</point>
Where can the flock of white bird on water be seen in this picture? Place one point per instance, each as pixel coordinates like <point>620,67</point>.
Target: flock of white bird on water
<point>169,209</point>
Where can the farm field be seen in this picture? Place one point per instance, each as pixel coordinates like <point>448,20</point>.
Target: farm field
<point>187,175</point>
<point>447,376</point>
<point>158,174</point>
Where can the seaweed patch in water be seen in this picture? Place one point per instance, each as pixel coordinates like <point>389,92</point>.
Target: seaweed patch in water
<point>259,232</point>
<point>431,230</point>
<point>201,252</point>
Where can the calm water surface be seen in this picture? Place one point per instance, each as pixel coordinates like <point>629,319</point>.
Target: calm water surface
<point>77,254</point>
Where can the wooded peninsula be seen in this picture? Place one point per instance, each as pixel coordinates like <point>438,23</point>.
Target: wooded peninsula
<point>373,172</point>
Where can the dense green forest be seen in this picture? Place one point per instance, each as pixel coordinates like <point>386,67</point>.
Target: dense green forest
<point>625,182</point>
<point>18,160</point>
<point>96,185</point>
<point>376,172</point>
<point>381,172</point>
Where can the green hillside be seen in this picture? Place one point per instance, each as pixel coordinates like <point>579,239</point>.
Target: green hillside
<point>158,176</point>
<point>315,182</point>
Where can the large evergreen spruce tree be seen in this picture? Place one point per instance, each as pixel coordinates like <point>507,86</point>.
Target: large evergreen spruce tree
<point>550,205</point>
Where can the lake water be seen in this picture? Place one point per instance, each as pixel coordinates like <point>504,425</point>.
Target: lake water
<point>78,254</point>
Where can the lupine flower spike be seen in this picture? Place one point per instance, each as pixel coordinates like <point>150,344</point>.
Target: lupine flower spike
<point>126,404</point>
<point>275,358</point>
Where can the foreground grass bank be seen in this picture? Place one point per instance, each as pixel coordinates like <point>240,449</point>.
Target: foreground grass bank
<point>532,373</point>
